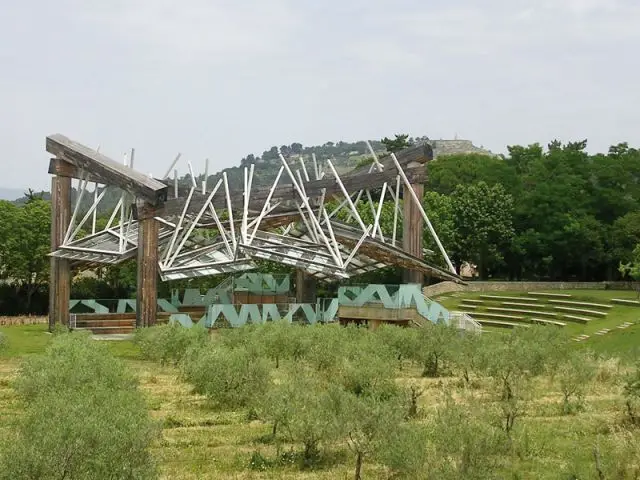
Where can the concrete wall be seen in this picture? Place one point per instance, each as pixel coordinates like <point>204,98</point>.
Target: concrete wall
<point>450,287</point>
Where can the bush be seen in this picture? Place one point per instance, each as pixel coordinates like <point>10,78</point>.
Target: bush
<point>3,342</point>
<point>229,377</point>
<point>169,343</point>
<point>72,363</point>
<point>84,417</point>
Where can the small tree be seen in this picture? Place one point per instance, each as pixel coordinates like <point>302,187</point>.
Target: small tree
<point>574,376</point>
<point>169,343</point>
<point>84,417</point>
<point>632,269</point>
<point>461,442</point>
<point>632,396</point>
<point>315,413</point>
<point>276,338</point>
<point>436,347</point>
<point>406,451</point>
<point>400,142</point>
<point>516,358</point>
<point>368,421</point>
<point>471,355</point>
<point>230,378</point>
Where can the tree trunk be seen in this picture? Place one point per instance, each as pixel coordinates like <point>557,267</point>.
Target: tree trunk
<point>357,475</point>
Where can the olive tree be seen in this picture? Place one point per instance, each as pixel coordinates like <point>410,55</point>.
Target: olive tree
<point>229,377</point>
<point>84,417</point>
<point>574,375</point>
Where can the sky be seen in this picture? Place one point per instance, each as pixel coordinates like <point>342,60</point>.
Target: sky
<point>221,79</point>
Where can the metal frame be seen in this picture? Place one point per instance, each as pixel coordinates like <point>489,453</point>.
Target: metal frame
<point>315,241</point>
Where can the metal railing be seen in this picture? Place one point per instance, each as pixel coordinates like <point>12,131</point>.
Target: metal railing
<point>464,321</point>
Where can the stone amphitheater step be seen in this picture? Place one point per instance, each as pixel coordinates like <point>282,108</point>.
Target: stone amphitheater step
<point>500,323</point>
<point>521,304</point>
<point>548,322</point>
<point>501,298</point>
<point>464,305</point>
<point>592,313</point>
<point>581,338</point>
<point>494,315</point>
<point>517,310</point>
<point>580,304</point>
<point>550,295</point>
<point>470,300</point>
<point>623,301</point>
<point>603,331</point>
<point>624,325</point>
<point>576,318</point>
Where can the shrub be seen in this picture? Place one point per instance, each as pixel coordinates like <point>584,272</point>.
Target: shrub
<point>169,343</point>
<point>229,377</point>
<point>405,451</point>
<point>72,363</point>
<point>574,376</point>
<point>84,417</point>
<point>314,413</point>
<point>632,396</point>
<point>3,342</point>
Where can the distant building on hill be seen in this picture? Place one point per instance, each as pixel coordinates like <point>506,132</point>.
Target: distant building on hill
<point>453,147</point>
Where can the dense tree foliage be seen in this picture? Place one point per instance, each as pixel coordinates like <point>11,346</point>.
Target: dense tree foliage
<point>573,215</point>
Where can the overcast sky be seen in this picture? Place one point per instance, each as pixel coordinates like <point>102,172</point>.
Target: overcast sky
<point>222,79</point>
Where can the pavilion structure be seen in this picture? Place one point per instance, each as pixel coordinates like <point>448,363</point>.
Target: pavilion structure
<point>307,218</point>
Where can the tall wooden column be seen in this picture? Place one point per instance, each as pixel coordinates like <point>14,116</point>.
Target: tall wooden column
<point>147,293</point>
<point>412,232</point>
<point>60,271</point>
<point>305,287</point>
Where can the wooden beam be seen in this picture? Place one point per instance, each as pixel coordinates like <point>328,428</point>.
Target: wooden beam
<point>113,173</point>
<point>60,271</point>
<point>147,292</point>
<point>63,168</point>
<point>305,287</point>
<point>412,233</point>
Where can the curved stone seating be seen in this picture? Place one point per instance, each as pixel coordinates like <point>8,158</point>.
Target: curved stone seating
<point>464,305</point>
<point>550,295</point>
<point>501,324</point>
<point>517,310</point>
<point>521,304</point>
<point>549,322</point>
<point>471,300</point>
<point>623,301</point>
<point>576,318</point>
<point>591,313</point>
<point>495,315</point>
<point>580,304</point>
<point>502,298</point>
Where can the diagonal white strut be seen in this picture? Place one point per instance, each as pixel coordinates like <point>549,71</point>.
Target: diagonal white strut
<point>418,203</point>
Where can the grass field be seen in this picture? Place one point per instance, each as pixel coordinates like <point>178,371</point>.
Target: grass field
<point>200,442</point>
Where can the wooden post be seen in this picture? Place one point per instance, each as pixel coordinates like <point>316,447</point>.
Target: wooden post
<point>60,271</point>
<point>412,231</point>
<point>305,287</point>
<point>147,292</point>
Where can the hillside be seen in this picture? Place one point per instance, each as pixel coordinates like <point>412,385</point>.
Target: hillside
<point>344,155</point>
